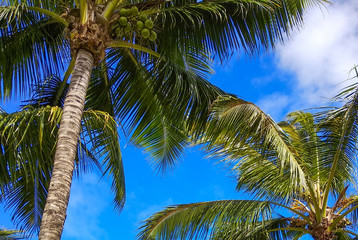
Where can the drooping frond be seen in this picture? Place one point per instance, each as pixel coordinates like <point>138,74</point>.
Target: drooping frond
<point>27,147</point>
<point>101,131</point>
<point>50,93</point>
<point>144,114</point>
<point>207,219</point>
<point>157,99</point>
<point>99,94</point>
<point>32,47</point>
<point>225,26</point>
<point>53,90</point>
<point>256,148</point>
<point>342,235</point>
<point>340,129</point>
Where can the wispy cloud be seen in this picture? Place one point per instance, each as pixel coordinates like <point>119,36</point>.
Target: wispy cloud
<point>89,199</point>
<point>274,104</point>
<point>318,58</point>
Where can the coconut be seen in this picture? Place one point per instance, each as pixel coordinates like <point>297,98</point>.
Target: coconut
<point>152,36</point>
<point>142,17</point>
<point>123,21</point>
<point>134,11</point>
<point>145,33</point>
<point>140,25</point>
<point>148,24</point>
<point>124,12</point>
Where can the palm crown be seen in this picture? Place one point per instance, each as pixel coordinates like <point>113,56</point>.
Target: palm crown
<point>293,168</point>
<point>153,58</point>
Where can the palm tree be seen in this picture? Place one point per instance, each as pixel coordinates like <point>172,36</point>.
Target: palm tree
<point>293,168</point>
<point>158,67</point>
<point>27,144</point>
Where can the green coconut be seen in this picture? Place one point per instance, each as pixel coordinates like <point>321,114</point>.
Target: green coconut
<point>152,36</point>
<point>148,24</point>
<point>134,11</point>
<point>142,17</point>
<point>140,25</point>
<point>123,21</point>
<point>145,33</point>
<point>124,12</point>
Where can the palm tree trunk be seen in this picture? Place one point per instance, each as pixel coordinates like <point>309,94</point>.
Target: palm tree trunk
<point>54,214</point>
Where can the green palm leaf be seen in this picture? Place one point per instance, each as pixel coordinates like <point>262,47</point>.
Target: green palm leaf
<point>31,49</point>
<point>45,94</point>
<point>10,234</point>
<point>341,128</point>
<point>256,231</point>
<point>255,147</point>
<point>227,25</point>
<point>101,130</point>
<point>27,161</point>
<point>199,220</point>
<point>141,95</point>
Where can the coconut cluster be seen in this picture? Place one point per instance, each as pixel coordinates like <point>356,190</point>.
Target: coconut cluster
<point>132,21</point>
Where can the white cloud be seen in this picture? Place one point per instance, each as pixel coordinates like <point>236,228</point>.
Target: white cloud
<point>275,104</point>
<point>88,200</point>
<point>320,56</point>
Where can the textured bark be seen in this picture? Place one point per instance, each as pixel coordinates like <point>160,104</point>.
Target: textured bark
<point>54,214</point>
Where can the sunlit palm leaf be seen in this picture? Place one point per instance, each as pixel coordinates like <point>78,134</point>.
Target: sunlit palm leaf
<point>341,131</point>
<point>26,161</point>
<point>255,147</point>
<point>200,220</point>
<point>256,231</point>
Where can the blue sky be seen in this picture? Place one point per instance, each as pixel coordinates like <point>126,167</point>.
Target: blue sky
<point>302,73</point>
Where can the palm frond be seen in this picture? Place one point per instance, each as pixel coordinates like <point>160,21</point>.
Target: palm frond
<point>156,97</point>
<point>99,94</point>
<point>342,235</point>
<point>256,148</point>
<point>53,90</point>
<point>224,26</point>
<point>45,94</point>
<point>31,47</point>
<point>101,130</point>
<point>11,234</point>
<point>26,161</point>
<point>200,220</point>
<point>258,231</point>
<point>56,6</point>
<point>340,128</point>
